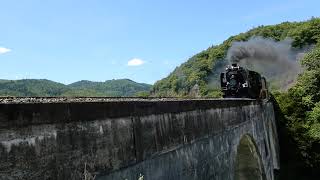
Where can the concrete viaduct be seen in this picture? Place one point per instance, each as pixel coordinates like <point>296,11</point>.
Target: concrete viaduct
<point>137,139</point>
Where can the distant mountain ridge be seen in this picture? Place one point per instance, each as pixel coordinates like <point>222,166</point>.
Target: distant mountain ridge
<point>44,87</point>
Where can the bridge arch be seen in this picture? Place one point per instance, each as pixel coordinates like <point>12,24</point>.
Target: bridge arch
<point>248,164</point>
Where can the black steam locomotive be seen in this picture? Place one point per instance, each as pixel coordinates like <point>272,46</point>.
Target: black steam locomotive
<point>238,82</point>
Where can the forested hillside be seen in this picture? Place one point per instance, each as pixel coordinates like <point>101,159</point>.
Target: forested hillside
<point>200,68</point>
<point>43,87</point>
<point>298,107</point>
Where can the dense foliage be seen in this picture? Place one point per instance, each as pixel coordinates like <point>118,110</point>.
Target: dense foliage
<point>43,87</point>
<point>301,109</point>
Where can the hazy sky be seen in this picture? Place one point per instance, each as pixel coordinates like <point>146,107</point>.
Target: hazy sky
<point>98,40</point>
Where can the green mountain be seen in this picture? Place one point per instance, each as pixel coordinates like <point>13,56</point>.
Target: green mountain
<point>200,68</point>
<point>120,87</point>
<point>31,87</point>
<point>43,87</point>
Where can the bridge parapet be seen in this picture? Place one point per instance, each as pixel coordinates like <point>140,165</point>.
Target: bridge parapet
<point>125,139</point>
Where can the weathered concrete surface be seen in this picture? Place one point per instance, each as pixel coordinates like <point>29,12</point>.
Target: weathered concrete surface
<point>177,139</point>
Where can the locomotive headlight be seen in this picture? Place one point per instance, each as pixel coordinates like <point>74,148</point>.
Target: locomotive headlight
<point>245,84</point>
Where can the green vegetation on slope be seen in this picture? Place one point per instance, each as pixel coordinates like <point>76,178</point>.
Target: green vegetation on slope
<point>300,107</point>
<point>199,69</point>
<point>121,87</point>
<point>31,87</point>
<point>43,87</point>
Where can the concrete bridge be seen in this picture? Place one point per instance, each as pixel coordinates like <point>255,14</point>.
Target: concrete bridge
<point>137,139</point>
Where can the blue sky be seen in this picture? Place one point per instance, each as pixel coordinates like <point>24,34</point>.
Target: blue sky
<point>98,40</point>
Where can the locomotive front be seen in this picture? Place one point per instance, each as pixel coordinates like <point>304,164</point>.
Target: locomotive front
<point>238,82</point>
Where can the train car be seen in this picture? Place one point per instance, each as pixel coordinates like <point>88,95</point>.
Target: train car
<point>238,82</point>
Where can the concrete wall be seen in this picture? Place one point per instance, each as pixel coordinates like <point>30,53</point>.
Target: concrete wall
<point>178,139</point>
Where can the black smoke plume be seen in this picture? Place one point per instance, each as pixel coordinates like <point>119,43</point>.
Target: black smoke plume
<point>276,60</point>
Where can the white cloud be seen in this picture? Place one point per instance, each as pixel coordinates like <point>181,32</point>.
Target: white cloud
<point>135,62</point>
<point>4,50</point>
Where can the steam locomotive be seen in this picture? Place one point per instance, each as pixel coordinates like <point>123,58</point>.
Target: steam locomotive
<point>238,82</point>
